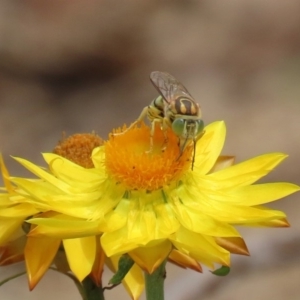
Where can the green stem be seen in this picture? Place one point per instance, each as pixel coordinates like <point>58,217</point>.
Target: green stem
<point>92,291</point>
<point>88,289</point>
<point>12,277</point>
<point>155,283</point>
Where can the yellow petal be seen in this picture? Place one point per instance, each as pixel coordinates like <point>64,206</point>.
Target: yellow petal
<point>48,197</point>
<point>214,205</point>
<point>200,247</point>
<point>114,242</point>
<point>43,174</point>
<point>5,175</point>
<point>150,258</point>
<point>209,147</point>
<point>273,223</point>
<point>39,253</point>
<point>5,200</point>
<point>13,252</point>
<point>202,223</point>
<point>222,163</point>
<point>111,195</point>
<point>18,211</point>
<point>98,157</point>
<point>45,191</point>
<point>167,223</point>
<point>265,214</point>
<point>8,227</point>
<point>71,172</point>
<point>235,245</point>
<point>97,269</point>
<point>261,193</point>
<point>64,227</point>
<point>143,223</point>
<point>81,254</point>
<point>118,217</point>
<point>184,260</point>
<point>134,279</point>
<point>140,225</point>
<point>277,220</point>
<point>248,172</point>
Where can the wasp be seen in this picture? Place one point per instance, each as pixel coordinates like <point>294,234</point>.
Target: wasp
<point>174,108</point>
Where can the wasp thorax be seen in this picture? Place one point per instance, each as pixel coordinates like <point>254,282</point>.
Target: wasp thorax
<point>186,107</point>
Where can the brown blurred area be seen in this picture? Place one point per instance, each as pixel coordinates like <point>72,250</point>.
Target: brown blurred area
<point>84,65</point>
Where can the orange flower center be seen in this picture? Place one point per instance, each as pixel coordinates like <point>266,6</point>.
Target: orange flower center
<point>130,161</point>
<point>78,148</point>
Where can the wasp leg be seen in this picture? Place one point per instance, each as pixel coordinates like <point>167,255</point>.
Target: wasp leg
<point>165,125</point>
<point>153,125</point>
<point>137,121</point>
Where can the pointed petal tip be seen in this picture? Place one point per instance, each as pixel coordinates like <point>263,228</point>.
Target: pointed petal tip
<point>281,156</point>
<point>33,280</point>
<point>276,223</point>
<point>32,284</point>
<point>235,245</point>
<point>184,261</point>
<point>284,223</point>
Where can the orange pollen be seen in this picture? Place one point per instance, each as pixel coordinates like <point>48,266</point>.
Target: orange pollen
<point>130,161</point>
<point>78,148</point>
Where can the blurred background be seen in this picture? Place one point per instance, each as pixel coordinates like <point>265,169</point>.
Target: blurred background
<point>84,65</point>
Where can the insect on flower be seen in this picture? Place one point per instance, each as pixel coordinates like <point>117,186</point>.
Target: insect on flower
<point>174,108</point>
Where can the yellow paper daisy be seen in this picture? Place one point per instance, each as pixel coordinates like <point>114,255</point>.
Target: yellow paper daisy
<point>152,205</point>
<point>83,256</point>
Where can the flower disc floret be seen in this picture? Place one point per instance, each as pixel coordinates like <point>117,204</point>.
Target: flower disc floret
<point>130,161</point>
<point>78,148</point>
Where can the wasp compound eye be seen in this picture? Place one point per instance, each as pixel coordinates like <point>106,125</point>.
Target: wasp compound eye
<point>200,127</point>
<point>178,126</point>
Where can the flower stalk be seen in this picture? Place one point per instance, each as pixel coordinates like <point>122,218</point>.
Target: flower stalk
<point>154,283</point>
<point>91,290</point>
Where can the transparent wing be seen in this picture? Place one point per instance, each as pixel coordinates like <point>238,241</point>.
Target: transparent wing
<point>168,86</point>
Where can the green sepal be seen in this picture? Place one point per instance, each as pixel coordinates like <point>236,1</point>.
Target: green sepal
<point>124,265</point>
<point>223,271</point>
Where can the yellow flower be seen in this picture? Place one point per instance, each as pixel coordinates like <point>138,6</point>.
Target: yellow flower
<point>14,245</point>
<point>83,256</point>
<point>152,205</point>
